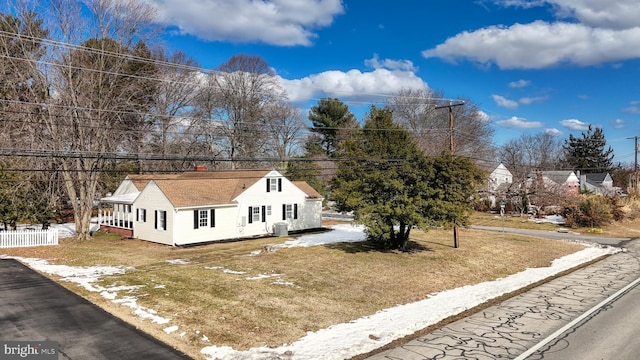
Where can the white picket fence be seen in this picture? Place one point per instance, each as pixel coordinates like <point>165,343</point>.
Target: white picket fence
<point>28,238</point>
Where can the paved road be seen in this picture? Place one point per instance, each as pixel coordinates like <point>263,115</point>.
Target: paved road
<point>611,332</point>
<point>34,308</point>
<point>512,327</point>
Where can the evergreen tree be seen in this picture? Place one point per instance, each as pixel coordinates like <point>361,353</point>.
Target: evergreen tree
<point>331,120</point>
<point>588,153</point>
<point>391,187</point>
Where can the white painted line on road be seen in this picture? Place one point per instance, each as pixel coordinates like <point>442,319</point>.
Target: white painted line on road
<point>544,342</point>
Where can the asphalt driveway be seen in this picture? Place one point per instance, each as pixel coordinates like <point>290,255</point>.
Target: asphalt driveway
<point>34,308</point>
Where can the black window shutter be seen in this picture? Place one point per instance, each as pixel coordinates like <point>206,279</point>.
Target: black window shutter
<point>196,219</point>
<point>250,214</point>
<point>137,214</point>
<point>155,224</point>
<point>213,217</point>
<point>295,211</point>
<point>144,215</point>
<point>268,185</point>
<point>284,211</point>
<point>264,213</point>
<point>164,225</point>
<point>279,184</point>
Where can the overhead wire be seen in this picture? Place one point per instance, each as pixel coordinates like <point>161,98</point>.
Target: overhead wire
<point>153,61</point>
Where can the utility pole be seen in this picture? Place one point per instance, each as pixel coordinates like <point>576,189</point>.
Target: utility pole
<point>452,149</point>
<point>450,106</point>
<point>634,185</point>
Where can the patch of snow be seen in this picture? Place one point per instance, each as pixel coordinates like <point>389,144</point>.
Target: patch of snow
<point>84,276</point>
<point>141,311</point>
<point>227,271</point>
<point>179,261</point>
<point>553,219</point>
<point>170,329</point>
<point>285,283</point>
<point>262,276</point>
<point>339,233</point>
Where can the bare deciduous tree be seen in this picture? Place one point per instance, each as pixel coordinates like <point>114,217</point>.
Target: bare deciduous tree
<point>168,119</point>
<point>244,85</point>
<point>416,110</point>
<point>95,88</point>
<point>285,125</point>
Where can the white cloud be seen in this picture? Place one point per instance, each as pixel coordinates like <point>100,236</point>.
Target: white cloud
<point>633,108</point>
<point>618,123</point>
<point>519,84</point>
<point>352,84</point>
<point>275,22</point>
<point>540,45</point>
<point>504,102</point>
<point>531,100</point>
<point>619,14</point>
<point>553,132</point>
<point>376,63</point>
<point>574,124</point>
<point>483,116</point>
<point>519,123</point>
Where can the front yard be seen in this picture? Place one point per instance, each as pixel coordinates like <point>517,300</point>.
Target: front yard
<point>234,294</point>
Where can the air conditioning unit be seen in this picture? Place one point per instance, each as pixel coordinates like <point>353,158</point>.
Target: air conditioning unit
<point>280,229</point>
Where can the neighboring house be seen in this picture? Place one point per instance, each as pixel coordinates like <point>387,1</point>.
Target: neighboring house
<point>205,206</point>
<point>565,181</point>
<point>598,183</point>
<point>499,180</point>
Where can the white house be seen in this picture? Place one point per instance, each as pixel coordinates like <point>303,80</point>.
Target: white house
<point>204,206</point>
<point>499,178</point>
<point>597,183</point>
<point>499,175</point>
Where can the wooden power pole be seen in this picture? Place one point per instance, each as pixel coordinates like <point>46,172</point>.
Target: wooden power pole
<point>452,150</point>
<point>450,106</point>
<point>634,184</point>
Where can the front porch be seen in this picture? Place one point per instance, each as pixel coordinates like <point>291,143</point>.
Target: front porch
<point>115,215</point>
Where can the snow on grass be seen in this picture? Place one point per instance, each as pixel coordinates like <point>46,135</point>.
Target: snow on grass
<point>262,276</point>
<point>339,233</point>
<point>179,261</point>
<point>170,329</point>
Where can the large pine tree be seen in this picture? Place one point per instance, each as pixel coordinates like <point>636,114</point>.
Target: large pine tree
<point>392,187</point>
<point>331,120</point>
<point>588,154</point>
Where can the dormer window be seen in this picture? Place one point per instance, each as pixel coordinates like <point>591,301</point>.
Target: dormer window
<point>274,185</point>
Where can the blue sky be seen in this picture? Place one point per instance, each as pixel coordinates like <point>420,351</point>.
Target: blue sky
<point>531,66</point>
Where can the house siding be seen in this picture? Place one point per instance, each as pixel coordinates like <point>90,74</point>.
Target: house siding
<point>152,200</point>
<point>225,225</point>
<point>126,187</point>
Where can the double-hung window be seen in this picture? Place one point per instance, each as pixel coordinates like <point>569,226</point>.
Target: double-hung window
<point>203,218</point>
<point>161,220</point>
<point>274,185</point>
<point>141,215</point>
<point>257,214</point>
<point>289,211</point>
